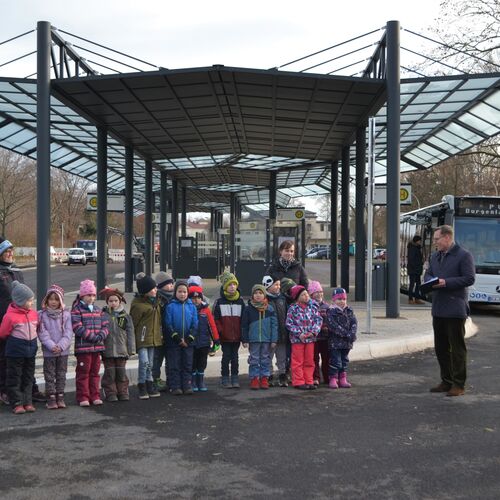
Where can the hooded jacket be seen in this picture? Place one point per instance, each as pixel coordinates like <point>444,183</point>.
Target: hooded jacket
<point>90,327</point>
<point>207,329</point>
<point>342,327</point>
<point>19,327</point>
<point>146,317</point>
<point>120,343</point>
<point>227,315</point>
<point>257,326</point>
<point>181,322</point>
<point>55,329</point>
<point>305,320</point>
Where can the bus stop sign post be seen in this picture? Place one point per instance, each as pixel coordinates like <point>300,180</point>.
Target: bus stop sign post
<point>369,243</point>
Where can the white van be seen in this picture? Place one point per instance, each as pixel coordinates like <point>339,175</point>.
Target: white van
<point>76,256</point>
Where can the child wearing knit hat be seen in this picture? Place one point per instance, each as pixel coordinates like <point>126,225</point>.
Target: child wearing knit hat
<point>304,324</point>
<point>55,333</point>
<point>19,326</point>
<point>259,331</point>
<point>227,311</point>
<point>315,290</point>
<point>146,313</point>
<point>120,345</point>
<point>279,303</point>
<point>91,329</point>
<point>206,337</point>
<point>165,284</point>
<point>342,327</point>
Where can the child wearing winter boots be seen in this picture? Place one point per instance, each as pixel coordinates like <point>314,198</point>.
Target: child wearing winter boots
<point>145,312</point>
<point>91,329</point>
<point>304,322</point>
<point>181,325</point>
<point>55,332</point>
<point>119,344</point>
<point>19,328</point>
<point>342,327</point>
<point>227,310</point>
<point>259,332</point>
<point>206,337</point>
<point>315,291</point>
<point>278,302</point>
<point>165,285</point>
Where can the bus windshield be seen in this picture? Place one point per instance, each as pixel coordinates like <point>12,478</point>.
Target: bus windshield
<point>481,236</point>
<point>86,244</point>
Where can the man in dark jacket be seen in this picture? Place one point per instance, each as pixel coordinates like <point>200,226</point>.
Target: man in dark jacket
<point>414,268</point>
<point>9,273</point>
<point>454,268</point>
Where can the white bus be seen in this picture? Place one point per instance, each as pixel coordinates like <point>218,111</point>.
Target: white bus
<point>476,222</point>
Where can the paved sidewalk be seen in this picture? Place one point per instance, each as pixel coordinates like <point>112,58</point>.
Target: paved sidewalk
<point>411,332</point>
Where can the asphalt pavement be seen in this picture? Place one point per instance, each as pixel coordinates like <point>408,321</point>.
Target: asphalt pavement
<point>386,437</point>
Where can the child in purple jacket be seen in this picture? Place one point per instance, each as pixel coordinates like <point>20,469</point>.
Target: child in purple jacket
<point>342,328</point>
<point>55,334</point>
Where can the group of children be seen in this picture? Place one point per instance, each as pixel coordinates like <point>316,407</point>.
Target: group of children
<point>172,321</point>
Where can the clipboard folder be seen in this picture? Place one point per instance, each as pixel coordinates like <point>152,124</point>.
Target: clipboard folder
<point>426,286</point>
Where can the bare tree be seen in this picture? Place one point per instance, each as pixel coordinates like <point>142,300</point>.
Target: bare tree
<point>68,203</point>
<point>468,33</point>
<point>17,187</point>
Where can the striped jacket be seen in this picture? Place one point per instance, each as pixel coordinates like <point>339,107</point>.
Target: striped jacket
<point>90,327</point>
<point>303,320</point>
<point>19,326</point>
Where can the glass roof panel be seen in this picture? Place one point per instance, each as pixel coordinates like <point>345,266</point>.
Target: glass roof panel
<point>487,112</point>
<point>441,85</point>
<point>463,132</point>
<point>464,95</point>
<point>479,83</point>
<point>478,124</point>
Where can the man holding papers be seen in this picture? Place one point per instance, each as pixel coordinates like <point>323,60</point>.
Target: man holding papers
<point>452,268</point>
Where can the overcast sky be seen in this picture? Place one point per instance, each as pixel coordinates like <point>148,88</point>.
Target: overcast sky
<point>259,34</point>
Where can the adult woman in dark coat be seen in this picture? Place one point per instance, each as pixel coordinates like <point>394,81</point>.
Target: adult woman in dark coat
<point>414,267</point>
<point>285,265</point>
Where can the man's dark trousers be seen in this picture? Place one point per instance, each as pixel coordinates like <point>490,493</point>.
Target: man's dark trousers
<point>451,353</point>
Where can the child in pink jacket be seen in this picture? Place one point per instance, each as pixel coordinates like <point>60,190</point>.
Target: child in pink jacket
<point>19,327</point>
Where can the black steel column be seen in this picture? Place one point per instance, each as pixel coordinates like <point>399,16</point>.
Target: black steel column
<point>344,222</point>
<point>174,227</point>
<point>43,160</point>
<point>129,217</point>
<point>168,248</point>
<point>212,217</point>
<point>102,206</point>
<point>184,212</point>
<point>232,231</point>
<point>393,170</point>
<point>163,221</point>
<point>334,199</point>
<point>272,215</point>
<point>360,269</point>
<point>303,241</point>
<point>148,217</point>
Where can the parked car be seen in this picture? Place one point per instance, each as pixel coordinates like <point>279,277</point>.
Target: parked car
<point>322,253</point>
<point>77,256</point>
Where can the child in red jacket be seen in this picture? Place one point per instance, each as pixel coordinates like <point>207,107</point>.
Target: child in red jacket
<point>19,326</point>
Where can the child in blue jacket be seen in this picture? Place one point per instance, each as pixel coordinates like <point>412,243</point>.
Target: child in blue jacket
<point>259,330</point>
<point>181,325</point>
